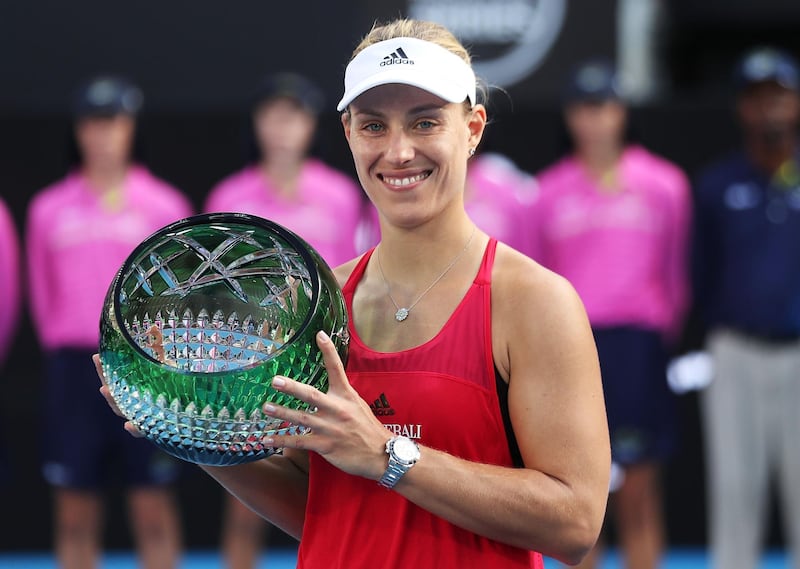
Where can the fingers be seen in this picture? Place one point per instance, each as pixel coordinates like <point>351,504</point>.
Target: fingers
<point>104,390</point>
<point>131,428</point>
<point>333,363</point>
<point>98,365</point>
<point>311,419</point>
<point>300,391</point>
<point>106,393</point>
<point>320,405</point>
<point>299,442</point>
<point>313,397</point>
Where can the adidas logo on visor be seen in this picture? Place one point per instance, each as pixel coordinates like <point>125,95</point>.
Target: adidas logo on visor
<point>397,57</point>
<point>432,68</point>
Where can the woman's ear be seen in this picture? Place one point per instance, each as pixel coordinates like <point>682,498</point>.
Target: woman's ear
<point>346,124</point>
<point>476,123</point>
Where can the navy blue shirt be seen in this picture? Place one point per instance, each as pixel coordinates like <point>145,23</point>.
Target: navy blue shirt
<point>747,248</point>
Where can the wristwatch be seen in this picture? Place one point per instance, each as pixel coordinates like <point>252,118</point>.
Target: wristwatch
<point>403,454</point>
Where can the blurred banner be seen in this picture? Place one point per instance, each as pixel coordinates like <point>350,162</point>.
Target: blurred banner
<point>744,13</point>
<point>205,54</point>
<point>526,47</point>
<point>510,39</point>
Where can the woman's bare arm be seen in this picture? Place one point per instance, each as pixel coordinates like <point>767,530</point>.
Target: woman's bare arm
<point>276,488</point>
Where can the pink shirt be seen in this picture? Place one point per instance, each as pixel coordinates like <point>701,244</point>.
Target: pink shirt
<point>495,199</point>
<point>9,280</point>
<point>625,252</point>
<point>327,210</point>
<point>76,244</point>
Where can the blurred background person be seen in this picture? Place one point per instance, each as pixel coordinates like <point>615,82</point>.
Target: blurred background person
<point>9,280</point>
<point>79,231</point>
<point>9,304</point>
<point>613,218</point>
<point>747,288</point>
<point>282,182</point>
<point>496,196</point>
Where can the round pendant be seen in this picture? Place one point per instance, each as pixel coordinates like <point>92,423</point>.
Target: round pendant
<point>401,314</point>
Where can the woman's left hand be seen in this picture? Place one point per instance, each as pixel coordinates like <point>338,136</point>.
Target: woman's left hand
<point>106,393</point>
<point>343,428</point>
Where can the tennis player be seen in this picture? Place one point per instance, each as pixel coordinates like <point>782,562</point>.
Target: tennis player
<point>468,427</point>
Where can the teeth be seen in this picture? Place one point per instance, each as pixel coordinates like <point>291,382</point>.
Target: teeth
<point>400,182</point>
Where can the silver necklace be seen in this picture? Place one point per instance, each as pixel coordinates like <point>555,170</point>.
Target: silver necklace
<point>403,312</point>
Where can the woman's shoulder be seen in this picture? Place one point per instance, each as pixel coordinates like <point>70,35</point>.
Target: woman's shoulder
<point>517,269</point>
<point>536,314</point>
<point>343,271</point>
<point>523,288</point>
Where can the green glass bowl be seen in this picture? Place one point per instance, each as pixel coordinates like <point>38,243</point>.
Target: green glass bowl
<point>200,318</point>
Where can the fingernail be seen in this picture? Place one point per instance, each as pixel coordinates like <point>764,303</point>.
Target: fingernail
<point>278,381</point>
<point>268,441</point>
<point>269,409</point>
<point>323,337</point>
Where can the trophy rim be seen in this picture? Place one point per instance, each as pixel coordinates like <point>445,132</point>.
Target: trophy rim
<point>298,244</point>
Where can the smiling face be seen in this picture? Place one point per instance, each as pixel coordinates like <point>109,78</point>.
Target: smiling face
<point>410,150</point>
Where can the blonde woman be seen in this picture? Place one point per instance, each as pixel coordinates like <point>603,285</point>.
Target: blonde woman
<point>496,450</point>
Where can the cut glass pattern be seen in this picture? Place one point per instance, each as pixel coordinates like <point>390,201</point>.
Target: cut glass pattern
<point>201,317</point>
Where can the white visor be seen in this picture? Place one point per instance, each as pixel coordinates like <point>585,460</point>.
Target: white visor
<point>409,61</point>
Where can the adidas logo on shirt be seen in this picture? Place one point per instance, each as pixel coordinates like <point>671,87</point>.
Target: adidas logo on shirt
<point>381,406</point>
<point>397,57</point>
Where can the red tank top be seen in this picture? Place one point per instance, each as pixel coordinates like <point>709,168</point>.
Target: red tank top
<point>443,394</point>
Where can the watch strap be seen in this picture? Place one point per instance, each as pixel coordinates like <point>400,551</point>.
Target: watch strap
<point>396,468</point>
<point>394,472</point>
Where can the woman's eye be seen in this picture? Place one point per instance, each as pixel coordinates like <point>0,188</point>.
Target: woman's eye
<point>372,127</point>
<point>425,124</point>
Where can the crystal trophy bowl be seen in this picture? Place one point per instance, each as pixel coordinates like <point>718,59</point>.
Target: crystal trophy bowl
<point>200,318</point>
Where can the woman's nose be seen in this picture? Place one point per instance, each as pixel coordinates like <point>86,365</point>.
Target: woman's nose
<point>400,147</point>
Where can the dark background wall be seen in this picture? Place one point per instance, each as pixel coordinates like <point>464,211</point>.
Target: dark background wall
<point>197,61</point>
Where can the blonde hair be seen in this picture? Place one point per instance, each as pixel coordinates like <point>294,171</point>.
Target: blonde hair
<point>418,29</point>
<point>421,30</point>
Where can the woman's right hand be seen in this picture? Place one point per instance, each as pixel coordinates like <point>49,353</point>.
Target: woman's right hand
<point>106,393</point>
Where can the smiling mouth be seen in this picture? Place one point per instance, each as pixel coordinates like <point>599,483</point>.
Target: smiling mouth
<point>406,180</point>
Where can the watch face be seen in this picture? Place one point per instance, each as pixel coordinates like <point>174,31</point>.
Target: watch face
<point>405,450</point>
